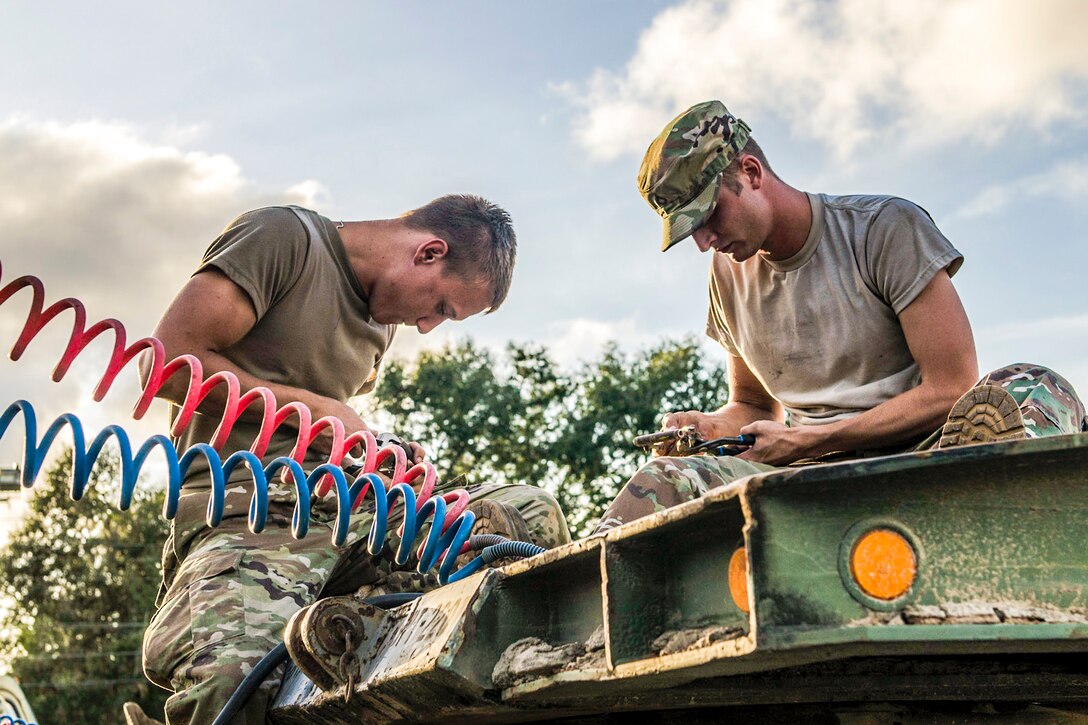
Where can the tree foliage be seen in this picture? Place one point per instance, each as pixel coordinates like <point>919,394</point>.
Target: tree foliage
<point>518,418</point>
<point>78,584</point>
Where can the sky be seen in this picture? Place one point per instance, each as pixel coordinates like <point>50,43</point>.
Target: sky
<point>131,133</point>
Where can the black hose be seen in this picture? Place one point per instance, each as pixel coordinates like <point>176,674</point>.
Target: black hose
<point>482,541</point>
<point>521,549</point>
<point>252,681</point>
<point>391,601</point>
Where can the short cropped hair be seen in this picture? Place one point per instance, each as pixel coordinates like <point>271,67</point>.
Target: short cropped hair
<point>729,175</point>
<point>480,236</point>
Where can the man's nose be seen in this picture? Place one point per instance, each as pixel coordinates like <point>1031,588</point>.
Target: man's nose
<point>703,239</point>
<point>426,324</point>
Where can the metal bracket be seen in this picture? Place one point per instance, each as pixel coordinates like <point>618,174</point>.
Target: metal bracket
<point>330,640</point>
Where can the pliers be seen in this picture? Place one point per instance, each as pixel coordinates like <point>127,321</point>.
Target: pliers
<point>686,443</point>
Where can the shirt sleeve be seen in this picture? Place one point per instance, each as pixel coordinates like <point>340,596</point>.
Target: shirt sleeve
<point>904,251</point>
<point>263,252</point>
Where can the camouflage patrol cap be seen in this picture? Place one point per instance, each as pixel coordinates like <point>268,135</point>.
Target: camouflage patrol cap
<point>681,172</point>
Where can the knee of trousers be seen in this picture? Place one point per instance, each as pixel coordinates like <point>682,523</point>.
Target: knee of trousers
<point>1028,372</point>
<point>543,516</point>
<point>666,469</point>
<point>1043,383</point>
<point>665,473</point>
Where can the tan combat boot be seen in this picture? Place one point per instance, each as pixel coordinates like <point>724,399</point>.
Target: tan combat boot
<point>501,519</point>
<point>985,414</point>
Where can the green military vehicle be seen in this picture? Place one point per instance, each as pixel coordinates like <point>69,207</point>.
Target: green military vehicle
<point>945,586</point>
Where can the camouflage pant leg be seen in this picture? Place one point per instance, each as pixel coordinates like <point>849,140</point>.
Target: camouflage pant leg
<point>668,481</point>
<point>542,514</point>
<point>226,608</point>
<point>1047,401</point>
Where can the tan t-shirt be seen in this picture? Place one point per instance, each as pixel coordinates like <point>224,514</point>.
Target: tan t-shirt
<point>313,329</point>
<point>820,330</point>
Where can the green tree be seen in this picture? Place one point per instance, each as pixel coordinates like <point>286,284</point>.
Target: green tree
<point>520,419</point>
<point>79,580</point>
<point>616,398</point>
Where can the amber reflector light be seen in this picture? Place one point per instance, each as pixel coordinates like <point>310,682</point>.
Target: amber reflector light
<point>883,564</point>
<point>738,578</point>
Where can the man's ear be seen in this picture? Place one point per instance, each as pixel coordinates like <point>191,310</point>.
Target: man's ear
<point>750,167</point>
<point>431,251</point>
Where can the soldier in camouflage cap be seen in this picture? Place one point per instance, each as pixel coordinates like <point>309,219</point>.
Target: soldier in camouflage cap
<point>681,173</point>
<point>844,333</point>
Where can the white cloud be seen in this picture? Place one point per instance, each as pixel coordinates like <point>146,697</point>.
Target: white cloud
<point>848,72</point>
<point>1050,328</point>
<point>12,511</point>
<point>102,213</point>
<point>571,342</point>
<point>1067,180</point>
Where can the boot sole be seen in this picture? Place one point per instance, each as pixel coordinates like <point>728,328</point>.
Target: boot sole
<point>985,414</point>
<point>495,517</point>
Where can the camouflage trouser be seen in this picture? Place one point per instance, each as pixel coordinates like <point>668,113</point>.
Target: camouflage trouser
<point>1048,404</point>
<point>1047,401</point>
<point>232,591</point>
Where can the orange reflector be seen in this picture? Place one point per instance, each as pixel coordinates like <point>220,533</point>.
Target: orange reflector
<point>738,578</point>
<point>883,564</point>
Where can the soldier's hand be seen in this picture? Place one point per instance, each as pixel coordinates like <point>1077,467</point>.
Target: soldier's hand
<point>678,420</point>
<point>708,426</point>
<point>775,444</point>
<point>682,419</point>
<point>419,453</point>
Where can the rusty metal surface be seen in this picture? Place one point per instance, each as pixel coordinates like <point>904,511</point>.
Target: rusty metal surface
<point>999,601</point>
